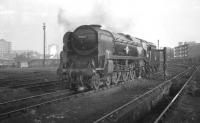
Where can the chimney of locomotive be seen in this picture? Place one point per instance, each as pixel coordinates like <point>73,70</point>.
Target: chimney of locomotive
<point>96,26</point>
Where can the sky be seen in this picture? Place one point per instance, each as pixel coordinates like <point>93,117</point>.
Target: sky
<point>170,21</point>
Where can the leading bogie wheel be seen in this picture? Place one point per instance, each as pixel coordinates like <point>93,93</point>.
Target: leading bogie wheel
<point>125,76</point>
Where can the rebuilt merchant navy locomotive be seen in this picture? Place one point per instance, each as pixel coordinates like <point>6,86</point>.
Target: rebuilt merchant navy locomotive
<point>93,57</point>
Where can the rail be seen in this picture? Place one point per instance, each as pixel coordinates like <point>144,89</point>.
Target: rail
<point>175,98</point>
<point>36,105</point>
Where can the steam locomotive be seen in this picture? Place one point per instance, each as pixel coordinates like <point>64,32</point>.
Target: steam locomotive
<point>92,57</point>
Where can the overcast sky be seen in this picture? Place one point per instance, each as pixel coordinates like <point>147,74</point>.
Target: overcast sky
<point>169,21</point>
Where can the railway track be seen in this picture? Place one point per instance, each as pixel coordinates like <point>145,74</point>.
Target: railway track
<point>30,78</point>
<point>18,75</point>
<point>32,85</point>
<point>179,65</point>
<point>170,71</point>
<point>23,81</point>
<point>21,105</point>
<point>36,85</point>
<point>164,113</point>
<point>22,77</point>
<point>134,110</point>
<point>39,86</point>
<point>9,108</point>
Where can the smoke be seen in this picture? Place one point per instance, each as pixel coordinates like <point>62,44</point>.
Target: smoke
<point>100,14</point>
<point>53,51</point>
<point>62,20</point>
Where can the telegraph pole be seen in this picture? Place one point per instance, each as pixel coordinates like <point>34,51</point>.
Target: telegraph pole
<point>44,28</point>
<point>164,60</point>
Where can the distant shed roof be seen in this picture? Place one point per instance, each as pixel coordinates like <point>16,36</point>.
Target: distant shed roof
<point>3,40</point>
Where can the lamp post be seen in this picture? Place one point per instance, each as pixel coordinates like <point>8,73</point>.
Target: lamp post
<point>44,28</point>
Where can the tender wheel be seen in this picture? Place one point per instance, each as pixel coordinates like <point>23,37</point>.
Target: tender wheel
<point>125,76</point>
<point>108,80</point>
<point>115,77</point>
<point>147,72</point>
<point>95,81</point>
<point>132,75</point>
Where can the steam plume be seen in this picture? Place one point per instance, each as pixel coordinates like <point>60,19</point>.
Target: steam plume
<point>100,14</point>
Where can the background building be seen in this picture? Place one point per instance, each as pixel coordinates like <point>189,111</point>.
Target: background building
<point>181,51</point>
<point>187,50</point>
<point>187,53</point>
<point>5,49</point>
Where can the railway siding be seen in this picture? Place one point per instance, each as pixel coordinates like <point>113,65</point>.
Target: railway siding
<point>185,105</point>
<point>137,108</point>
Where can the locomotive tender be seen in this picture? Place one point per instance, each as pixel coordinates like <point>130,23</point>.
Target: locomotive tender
<point>92,57</point>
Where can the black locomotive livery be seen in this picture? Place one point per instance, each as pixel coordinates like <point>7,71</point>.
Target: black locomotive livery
<point>93,57</point>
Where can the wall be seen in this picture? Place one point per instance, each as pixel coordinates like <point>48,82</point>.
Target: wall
<point>48,63</point>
